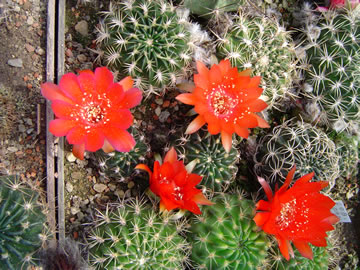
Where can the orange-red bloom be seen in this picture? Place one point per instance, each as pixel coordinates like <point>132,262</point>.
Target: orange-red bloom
<point>92,111</point>
<point>174,185</point>
<point>299,214</point>
<point>226,100</point>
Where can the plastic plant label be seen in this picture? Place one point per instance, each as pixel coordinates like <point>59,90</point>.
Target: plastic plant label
<point>340,211</point>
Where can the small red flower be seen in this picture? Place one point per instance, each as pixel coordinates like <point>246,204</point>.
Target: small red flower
<point>299,214</point>
<point>92,111</point>
<point>174,185</point>
<point>226,100</point>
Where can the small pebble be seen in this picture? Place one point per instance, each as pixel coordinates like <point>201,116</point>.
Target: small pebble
<point>30,20</point>
<point>82,28</point>
<point>70,157</point>
<point>69,187</point>
<point>12,149</point>
<point>99,188</point>
<point>158,111</point>
<point>22,128</point>
<point>131,184</point>
<point>120,193</point>
<point>164,116</point>
<point>17,62</point>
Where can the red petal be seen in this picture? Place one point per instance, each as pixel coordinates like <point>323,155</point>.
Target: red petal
<point>194,179</point>
<point>192,207</point>
<point>263,205</point>
<point>284,246</point>
<point>171,155</point>
<point>103,79</point>
<point>215,75</point>
<point>265,185</point>
<point>257,105</point>
<point>252,93</point>
<point>121,118</point>
<point>202,69</point>
<point>107,147</point>
<point>226,140</point>
<point>86,71</point>
<point>255,81</point>
<point>321,242</point>
<point>132,98</point>
<point>304,179</point>
<point>288,179</point>
<point>76,135</point>
<point>213,128</point>
<point>201,199</point>
<point>245,73</point>
<point>63,109</point>
<point>145,168</point>
<point>241,131</point>
<point>224,66</point>
<point>94,140</point>
<point>70,86</point>
<point>169,204</point>
<point>53,92</point>
<point>261,218</point>
<point>304,249</point>
<point>187,99</point>
<point>195,125</point>
<point>87,82</point>
<point>180,178</point>
<point>115,93</point>
<point>120,139</point>
<point>166,171</point>
<point>78,151</point>
<point>126,83</point>
<point>201,81</point>
<point>249,121</point>
<point>60,127</point>
<point>261,122</point>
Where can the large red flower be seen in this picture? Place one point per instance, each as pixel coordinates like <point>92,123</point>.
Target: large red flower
<point>226,100</point>
<point>92,111</point>
<point>299,214</point>
<point>174,185</point>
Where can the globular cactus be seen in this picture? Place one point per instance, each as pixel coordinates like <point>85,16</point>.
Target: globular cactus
<point>261,44</point>
<point>207,8</point>
<point>217,167</point>
<point>276,260</point>
<point>331,63</point>
<point>22,229</point>
<point>297,143</point>
<point>147,40</point>
<point>120,165</point>
<point>226,237</point>
<point>133,236</point>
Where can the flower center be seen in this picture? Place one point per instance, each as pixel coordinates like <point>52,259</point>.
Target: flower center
<point>222,103</point>
<point>178,194</point>
<point>287,215</point>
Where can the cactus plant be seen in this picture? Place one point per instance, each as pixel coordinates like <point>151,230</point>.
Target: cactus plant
<point>147,40</point>
<point>261,44</point>
<point>133,236</point>
<point>121,165</point>
<point>217,167</point>
<point>225,237</point>
<point>297,143</point>
<point>332,73</point>
<point>21,224</point>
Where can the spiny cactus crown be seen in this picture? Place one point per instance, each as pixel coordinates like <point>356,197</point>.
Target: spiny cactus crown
<point>133,236</point>
<point>147,40</point>
<point>300,144</point>
<point>120,165</point>
<point>217,167</point>
<point>261,44</point>
<point>332,69</point>
<point>22,230</point>
<point>225,237</point>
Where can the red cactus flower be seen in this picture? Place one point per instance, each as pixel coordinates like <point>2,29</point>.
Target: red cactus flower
<point>92,111</point>
<point>174,185</point>
<point>225,99</point>
<point>299,214</point>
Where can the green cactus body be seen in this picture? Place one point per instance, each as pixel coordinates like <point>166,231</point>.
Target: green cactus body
<point>21,225</point>
<point>261,44</point>
<point>300,144</point>
<point>135,237</point>
<point>217,167</point>
<point>225,237</point>
<point>146,40</point>
<point>121,165</point>
<point>208,7</point>
<point>320,260</point>
<point>332,73</point>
